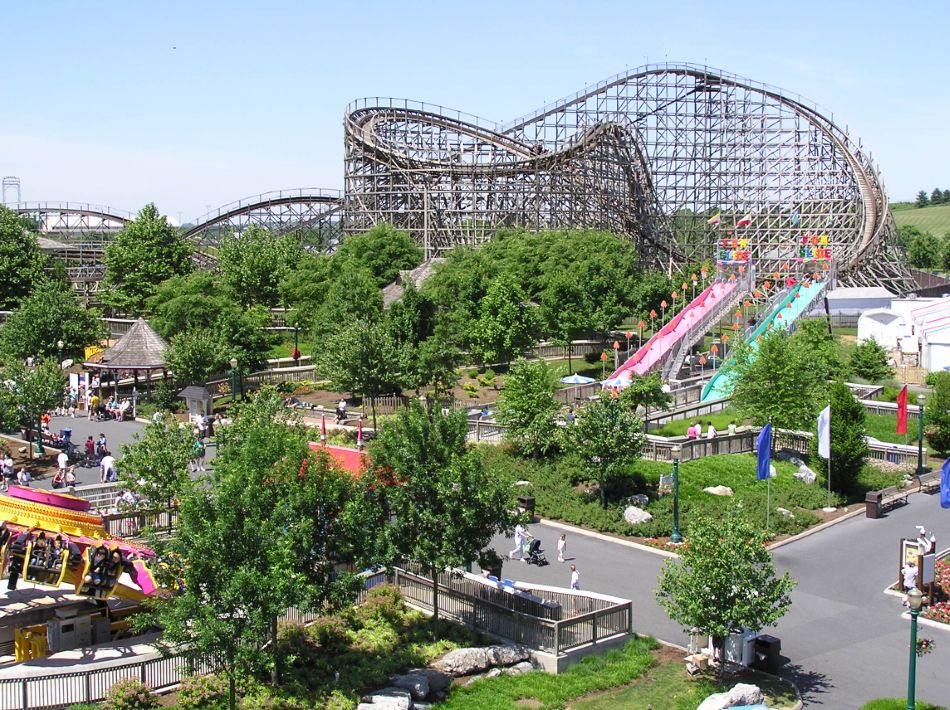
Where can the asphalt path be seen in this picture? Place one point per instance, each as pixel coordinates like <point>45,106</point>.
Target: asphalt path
<point>843,640</point>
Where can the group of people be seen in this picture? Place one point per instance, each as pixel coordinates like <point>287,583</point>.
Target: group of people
<point>695,430</point>
<point>110,409</point>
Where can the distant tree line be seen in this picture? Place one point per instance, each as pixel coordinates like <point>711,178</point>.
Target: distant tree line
<point>937,197</point>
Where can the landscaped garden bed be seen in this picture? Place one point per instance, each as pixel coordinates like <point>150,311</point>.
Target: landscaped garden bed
<point>940,610</point>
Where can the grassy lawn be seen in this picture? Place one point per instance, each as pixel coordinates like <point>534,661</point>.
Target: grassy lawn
<point>582,367</point>
<point>720,420</point>
<point>935,220</point>
<point>898,704</point>
<point>285,347</point>
<point>883,427</point>
<point>639,675</point>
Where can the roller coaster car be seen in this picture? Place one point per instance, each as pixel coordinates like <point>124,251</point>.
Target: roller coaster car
<point>100,577</point>
<point>45,561</point>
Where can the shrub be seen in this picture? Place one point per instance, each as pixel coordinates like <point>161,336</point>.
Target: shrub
<point>130,694</point>
<point>487,379</point>
<point>164,397</point>
<point>383,603</point>
<point>869,360</point>
<point>338,700</point>
<point>329,632</point>
<point>264,700</point>
<point>202,691</point>
<point>937,420</point>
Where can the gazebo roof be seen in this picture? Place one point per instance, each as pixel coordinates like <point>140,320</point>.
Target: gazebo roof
<point>139,349</point>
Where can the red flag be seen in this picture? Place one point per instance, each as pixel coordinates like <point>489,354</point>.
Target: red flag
<point>902,411</point>
<point>323,429</point>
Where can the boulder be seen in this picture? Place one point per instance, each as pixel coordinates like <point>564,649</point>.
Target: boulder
<point>718,490</point>
<point>639,499</point>
<point>389,699</point>
<point>523,667</point>
<point>465,661</point>
<point>437,680</point>
<point>634,515</point>
<point>740,695</point>
<point>416,683</point>
<point>786,512</point>
<point>493,673</point>
<point>805,474</point>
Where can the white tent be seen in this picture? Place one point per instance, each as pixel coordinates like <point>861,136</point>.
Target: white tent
<point>936,350</point>
<point>883,325</point>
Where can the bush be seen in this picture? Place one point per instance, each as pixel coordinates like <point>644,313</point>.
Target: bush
<point>202,691</point>
<point>130,694</point>
<point>264,700</point>
<point>164,397</point>
<point>869,360</point>
<point>338,700</point>
<point>383,603</point>
<point>488,379</point>
<point>329,633</point>
<point>897,704</point>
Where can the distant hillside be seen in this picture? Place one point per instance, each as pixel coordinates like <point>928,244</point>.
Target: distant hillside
<point>935,220</point>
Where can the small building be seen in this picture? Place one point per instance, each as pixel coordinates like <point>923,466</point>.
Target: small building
<point>197,400</point>
<point>856,300</point>
<point>883,325</point>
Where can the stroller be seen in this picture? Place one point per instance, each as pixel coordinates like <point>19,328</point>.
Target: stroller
<point>536,554</point>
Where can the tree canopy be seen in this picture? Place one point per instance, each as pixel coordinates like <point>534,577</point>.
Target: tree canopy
<point>27,392</point>
<point>527,407</point>
<point>724,580</point>
<point>143,255</point>
<point>849,447</point>
<point>158,460</point>
<point>383,250</point>
<point>255,262</point>
<point>21,261</point>
<point>52,312</point>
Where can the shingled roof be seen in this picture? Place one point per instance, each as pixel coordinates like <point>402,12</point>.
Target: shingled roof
<point>139,349</point>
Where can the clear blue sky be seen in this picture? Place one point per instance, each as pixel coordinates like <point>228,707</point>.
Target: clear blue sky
<point>190,104</point>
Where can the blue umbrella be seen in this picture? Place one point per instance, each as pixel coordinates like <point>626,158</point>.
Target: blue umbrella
<point>576,379</point>
<point>619,382</point>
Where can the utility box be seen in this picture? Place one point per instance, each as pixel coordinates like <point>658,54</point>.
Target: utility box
<point>527,503</point>
<point>66,632</point>
<point>768,651</point>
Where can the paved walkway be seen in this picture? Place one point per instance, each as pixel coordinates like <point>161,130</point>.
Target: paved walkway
<point>843,640</point>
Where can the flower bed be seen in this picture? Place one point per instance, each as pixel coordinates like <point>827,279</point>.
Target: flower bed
<point>940,610</point>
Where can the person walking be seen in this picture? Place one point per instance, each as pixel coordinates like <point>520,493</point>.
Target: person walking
<point>561,547</point>
<point>107,469</point>
<point>521,537</point>
<point>575,579</point>
<point>198,453</point>
<point>62,463</point>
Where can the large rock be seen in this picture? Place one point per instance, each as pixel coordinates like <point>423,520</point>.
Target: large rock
<point>388,699</point>
<point>718,490</point>
<point>805,474</point>
<point>523,667</point>
<point>437,680</point>
<point>465,661</point>
<point>740,695</point>
<point>416,683</point>
<point>634,515</point>
<point>639,499</point>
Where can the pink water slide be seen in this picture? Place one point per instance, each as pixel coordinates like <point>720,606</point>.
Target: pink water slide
<point>664,342</point>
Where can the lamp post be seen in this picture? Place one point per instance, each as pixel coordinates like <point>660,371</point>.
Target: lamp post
<point>59,351</point>
<point>920,436</point>
<point>233,379</point>
<point>914,600</point>
<point>675,535</point>
<point>296,352</point>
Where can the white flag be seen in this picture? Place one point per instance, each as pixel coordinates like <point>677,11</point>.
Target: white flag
<point>824,433</point>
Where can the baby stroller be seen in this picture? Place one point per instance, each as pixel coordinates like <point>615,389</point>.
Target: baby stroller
<point>536,554</point>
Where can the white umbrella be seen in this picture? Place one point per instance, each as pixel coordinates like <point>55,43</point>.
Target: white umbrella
<point>618,382</point>
<point>576,379</point>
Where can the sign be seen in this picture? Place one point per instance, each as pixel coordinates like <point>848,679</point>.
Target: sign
<point>92,350</point>
<point>733,250</point>
<point>814,247</point>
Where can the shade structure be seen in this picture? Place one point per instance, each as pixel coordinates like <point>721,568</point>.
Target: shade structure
<point>139,349</point>
<point>618,382</point>
<point>576,379</point>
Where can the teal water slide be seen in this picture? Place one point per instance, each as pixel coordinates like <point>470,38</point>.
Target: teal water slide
<point>795,303</point>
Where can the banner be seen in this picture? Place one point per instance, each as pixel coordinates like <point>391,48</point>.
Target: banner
<point>902,411</point>
<point>763,446</point>
<point>945,485</point>
<point>824,433</point>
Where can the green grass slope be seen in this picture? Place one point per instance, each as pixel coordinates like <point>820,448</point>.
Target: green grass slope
<point>935,220</point>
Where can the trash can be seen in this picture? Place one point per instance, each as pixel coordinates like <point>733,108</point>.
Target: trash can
<point>872,504</point>
<point>527,504</point>
<point>768,650</point>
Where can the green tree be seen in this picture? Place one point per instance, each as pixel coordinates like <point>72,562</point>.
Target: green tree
<point>158,461</point>
<point>21,261</point>
<point>306,287</point>
<point>815,341</point>
<point>384,250</point>
<point>849,447</point>
<point>186,302</point>
<point>648,392</point>
<point>361,358</point>
<point>268,529</point>
<point>194,355</point>
<point>565,311</point>
<point>49,314</point>
<point>869,361</point>
<point>528,408</point>
<point>608,438</point>
<point>446,506</point>
<point>353,296</point>
<point>922,199</point>
<point>924,252</point>
<point>936,197</point>
<point>937,414</point>
<point>506,325</point>
<point>255,262</point>
<point>424,358</point>
<point>27,392</point>
<point>780,384</point>
<point>143,255</point>
<point>244,336</point>
<point>724,580</point>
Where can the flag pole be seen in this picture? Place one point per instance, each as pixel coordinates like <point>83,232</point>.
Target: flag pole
<point>768,483</point>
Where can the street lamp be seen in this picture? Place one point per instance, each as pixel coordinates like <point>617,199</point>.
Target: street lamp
<point>234,379</point>
<point>914,600</point>
<point>675,535</point>
<point>920,436</point>
<point>59,351</point>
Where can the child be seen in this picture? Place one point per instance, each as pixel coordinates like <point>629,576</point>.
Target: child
<point>561,547</point>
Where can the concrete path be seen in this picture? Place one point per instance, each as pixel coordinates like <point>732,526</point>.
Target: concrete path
<point>843,641</point>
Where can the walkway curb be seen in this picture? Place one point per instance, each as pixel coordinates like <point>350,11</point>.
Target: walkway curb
<point>816,529</point>
<point>607,538</point>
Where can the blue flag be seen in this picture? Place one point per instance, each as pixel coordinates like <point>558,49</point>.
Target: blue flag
<point>945,485</point>
<point>763,446</point>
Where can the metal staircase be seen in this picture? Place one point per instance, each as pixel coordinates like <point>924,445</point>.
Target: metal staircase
<point>699,329</point>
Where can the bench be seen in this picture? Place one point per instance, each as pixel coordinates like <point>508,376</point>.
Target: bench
<point>929,482</point>
<point>891,497</point>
